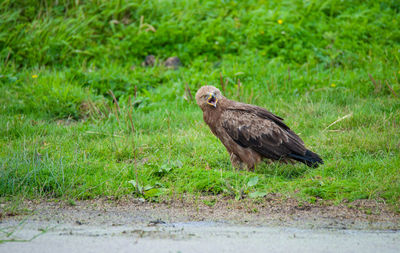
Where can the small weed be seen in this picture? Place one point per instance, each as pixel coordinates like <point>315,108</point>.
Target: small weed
<point>148,192</point>
<point>210,203</point>
<point>8,234</point>
<point>71,202</point>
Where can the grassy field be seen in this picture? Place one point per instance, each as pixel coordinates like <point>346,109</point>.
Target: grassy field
<point>311,62</point>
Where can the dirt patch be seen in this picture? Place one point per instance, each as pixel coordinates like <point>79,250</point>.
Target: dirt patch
<point>361,214</point>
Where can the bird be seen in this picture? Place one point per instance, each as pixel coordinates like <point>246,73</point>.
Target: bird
<point>251,134</point>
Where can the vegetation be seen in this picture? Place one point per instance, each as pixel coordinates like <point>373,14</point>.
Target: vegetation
<point>330,68</point>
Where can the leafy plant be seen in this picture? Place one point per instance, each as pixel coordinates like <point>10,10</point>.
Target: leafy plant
<point>149,192</point>
<point>167,167</point>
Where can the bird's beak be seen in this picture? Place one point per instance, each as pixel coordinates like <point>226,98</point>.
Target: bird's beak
<point>212,100</point>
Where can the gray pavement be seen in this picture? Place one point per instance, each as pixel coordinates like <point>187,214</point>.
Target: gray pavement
<point>189,237</point>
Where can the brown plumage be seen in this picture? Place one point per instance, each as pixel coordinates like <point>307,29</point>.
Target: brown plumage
<point>251,133</point>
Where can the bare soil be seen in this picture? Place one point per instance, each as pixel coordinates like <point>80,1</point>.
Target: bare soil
<point>362,214</point>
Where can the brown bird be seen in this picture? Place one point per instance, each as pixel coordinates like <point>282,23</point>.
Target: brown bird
<point>251,133</point>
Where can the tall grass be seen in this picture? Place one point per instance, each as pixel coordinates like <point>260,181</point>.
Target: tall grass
<point>331,33</point>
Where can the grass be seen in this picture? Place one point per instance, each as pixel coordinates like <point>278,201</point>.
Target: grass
<point>7,234</point>
<point>62,136</point>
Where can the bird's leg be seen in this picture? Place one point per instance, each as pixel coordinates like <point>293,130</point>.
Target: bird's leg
<point>237,162</point>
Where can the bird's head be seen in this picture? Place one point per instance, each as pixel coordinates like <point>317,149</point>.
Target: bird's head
<point>208,96</point>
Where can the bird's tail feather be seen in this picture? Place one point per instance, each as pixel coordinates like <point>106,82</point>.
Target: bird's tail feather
<point>310,158</point>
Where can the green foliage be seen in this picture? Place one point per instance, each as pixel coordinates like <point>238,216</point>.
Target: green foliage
<point>330,33</point>
<point>48,93</point>
<point>311,62</point>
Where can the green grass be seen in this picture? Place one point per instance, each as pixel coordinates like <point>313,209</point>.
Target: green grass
<point>61,136</point>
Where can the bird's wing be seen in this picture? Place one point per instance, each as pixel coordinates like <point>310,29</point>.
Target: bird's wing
<point>259,111</point>
<point>265,133</point>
